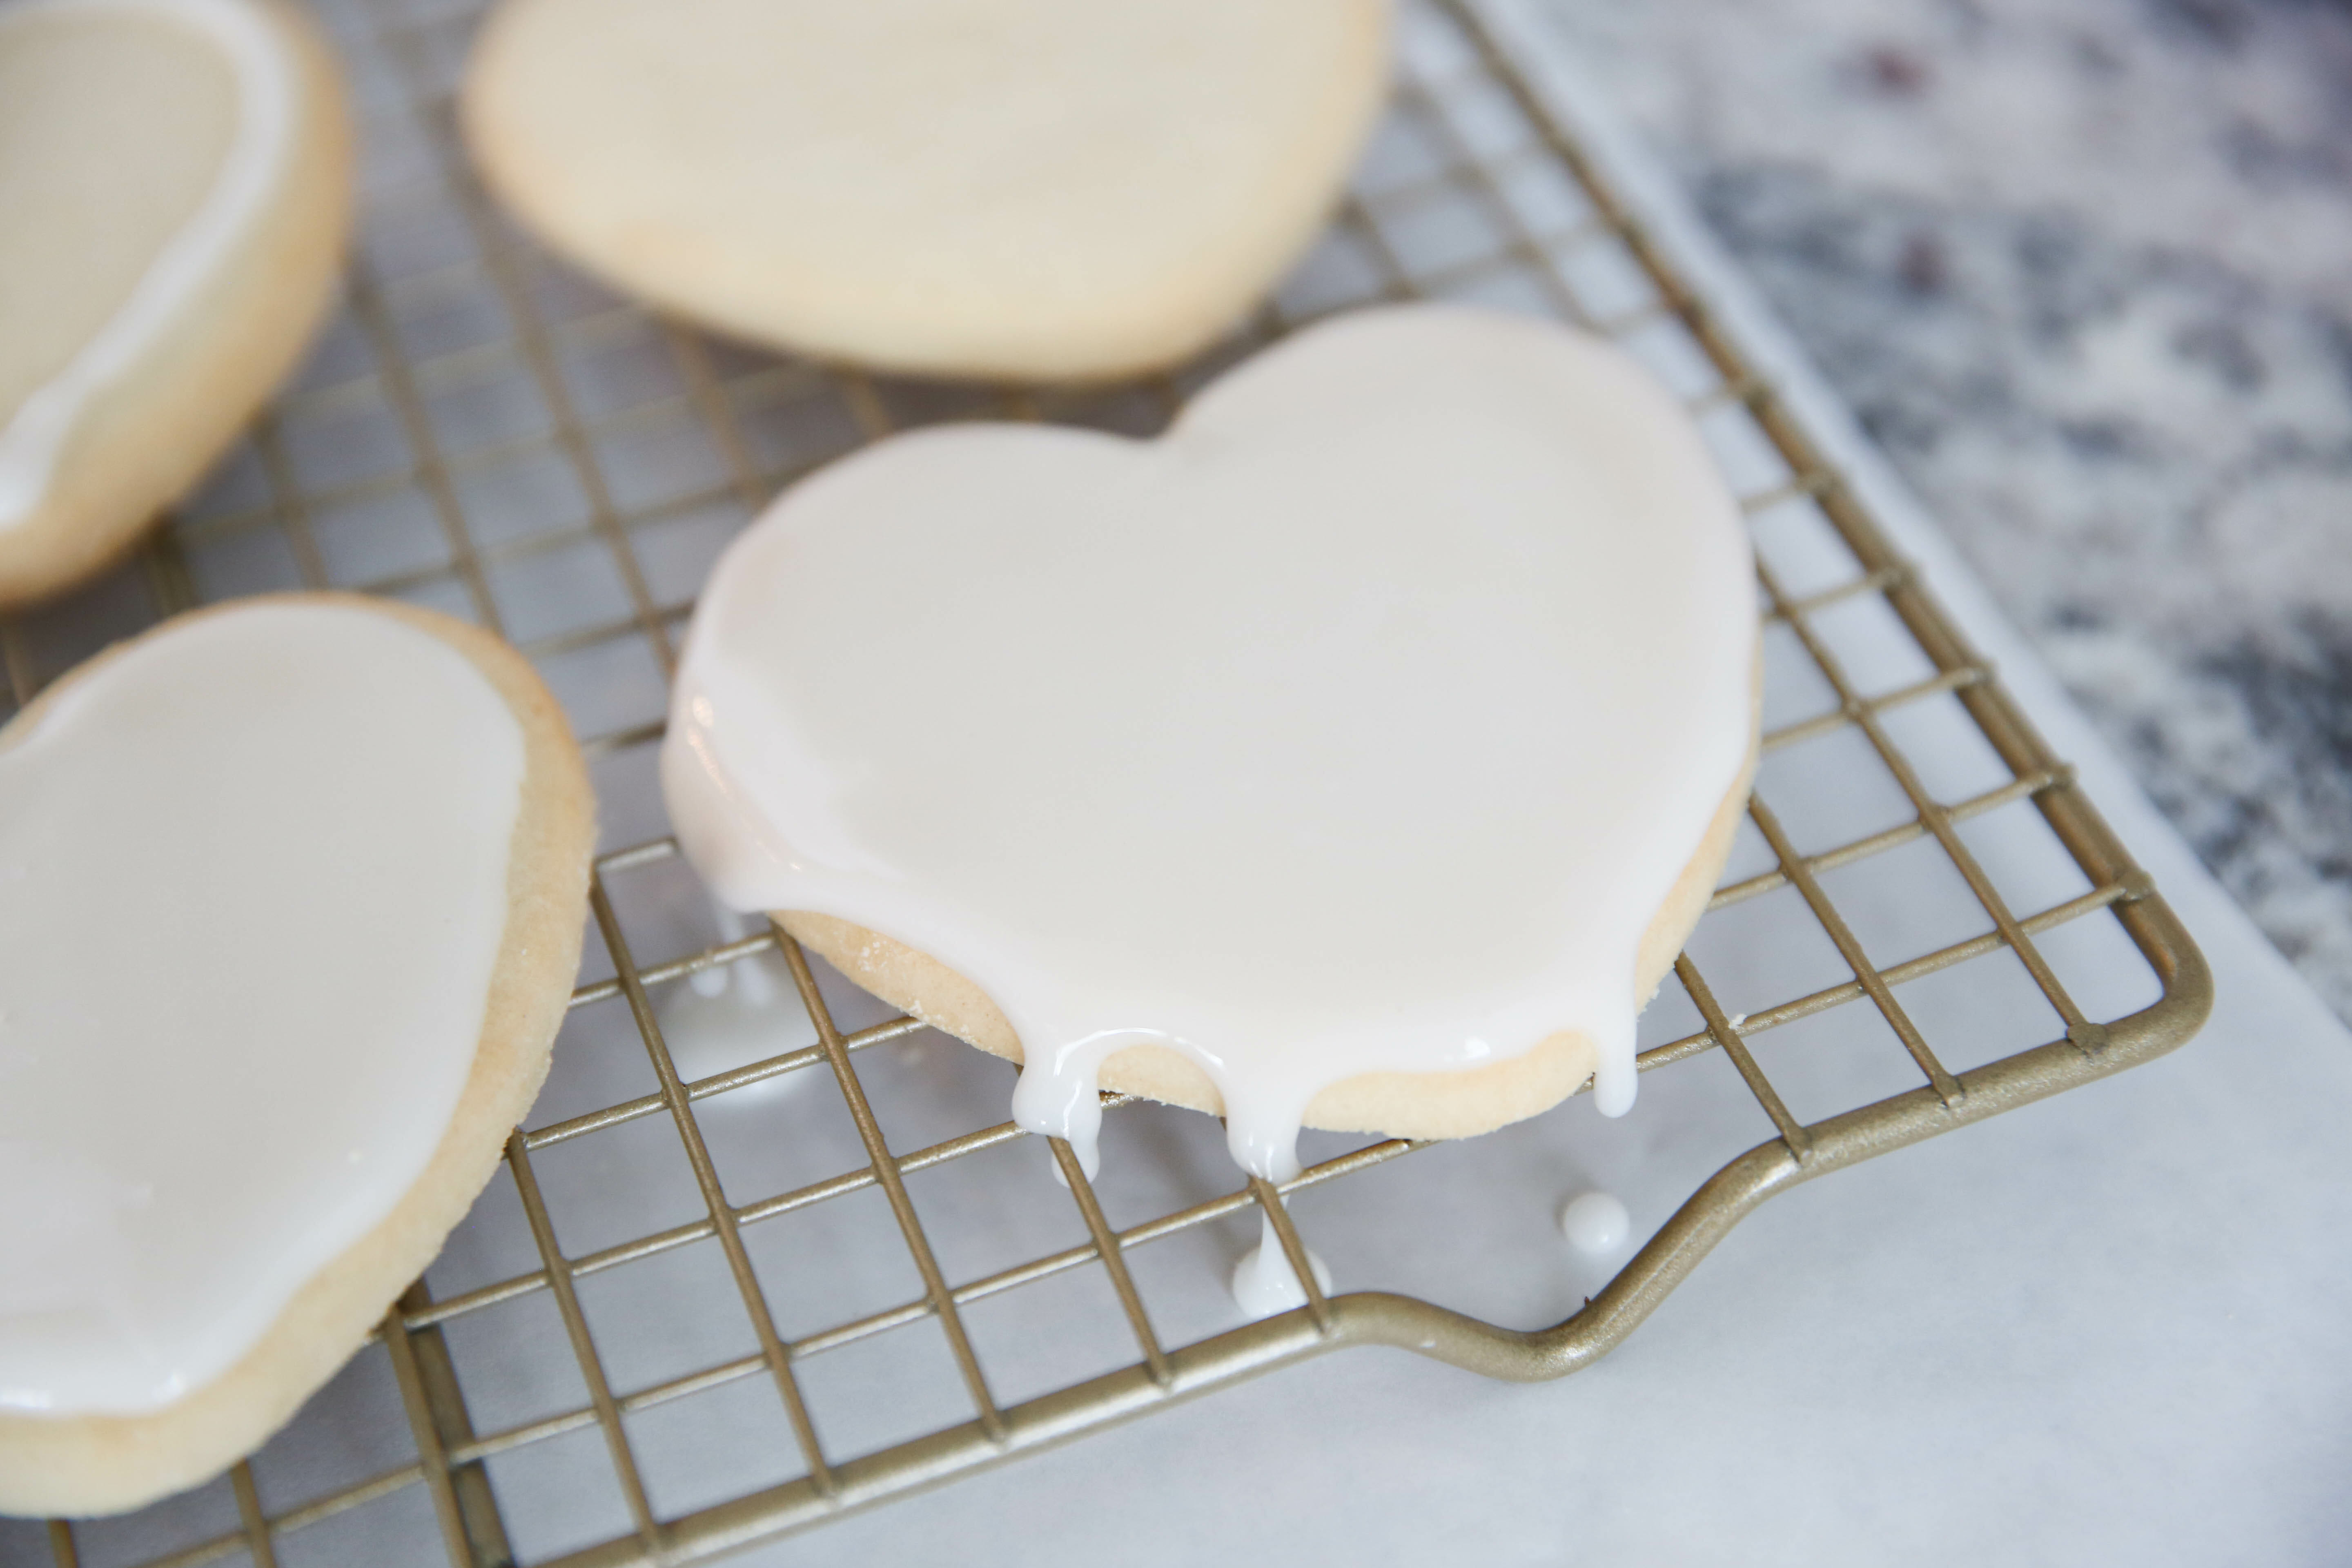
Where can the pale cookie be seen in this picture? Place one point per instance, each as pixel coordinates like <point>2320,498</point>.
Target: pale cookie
<point>1034,189</point>
<point>296,894</point>
<point>176,180</point>
<point>1356,754</point>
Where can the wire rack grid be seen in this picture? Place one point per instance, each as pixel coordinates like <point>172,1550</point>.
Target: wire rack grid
<point>484,432</point>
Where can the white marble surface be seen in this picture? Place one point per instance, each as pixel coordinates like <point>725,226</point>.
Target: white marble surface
<point>2083,268</point>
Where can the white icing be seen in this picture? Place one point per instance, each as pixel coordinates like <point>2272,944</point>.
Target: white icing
<point>1263,1281</point>
<point>251,169</point>
<point>733,1013</point>
<point>1361,722</point>
<point>1595,1223</point>
<point>253,883</point>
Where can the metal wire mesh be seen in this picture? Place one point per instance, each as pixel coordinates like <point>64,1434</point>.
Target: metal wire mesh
<point>486,433</point>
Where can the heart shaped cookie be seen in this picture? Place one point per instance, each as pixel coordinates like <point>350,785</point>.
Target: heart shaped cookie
<point>176,179</point>
<point>1358,753</point>
<point>293,901</point>
<point>1053,189</point>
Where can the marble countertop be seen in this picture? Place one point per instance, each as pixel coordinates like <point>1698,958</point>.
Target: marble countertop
<point>2083,268</point>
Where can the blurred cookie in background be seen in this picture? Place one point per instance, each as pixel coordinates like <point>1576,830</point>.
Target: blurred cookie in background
<point>1050,190</point>
<point>176,176</point>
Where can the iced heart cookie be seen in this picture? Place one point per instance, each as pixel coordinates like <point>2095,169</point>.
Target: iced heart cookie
<point>1041,189</point>
<point>1358,753</point>
<point>176,176</point>
<point>294,893</point>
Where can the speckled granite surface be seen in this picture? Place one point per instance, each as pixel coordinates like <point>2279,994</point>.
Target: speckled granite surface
<point>2083,267</point>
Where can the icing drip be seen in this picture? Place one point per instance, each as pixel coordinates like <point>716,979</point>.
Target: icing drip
<point>1262,1281</point>
<point>1360,724</point>
<point>732,1013</point>
<point>42,425</point>
<point>253,884</point>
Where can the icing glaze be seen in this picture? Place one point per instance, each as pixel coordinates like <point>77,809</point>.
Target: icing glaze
<point>1263,1283</point>
<point>253,885</point>
<point>1595,1223</point>
<point>1361,722</point>
<point>731,1014</point>
<point>266,80</point>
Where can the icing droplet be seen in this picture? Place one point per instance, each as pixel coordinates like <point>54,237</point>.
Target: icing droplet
<point>1595,1224</point>
<point>733,1013</point>
<point>747,1015</point>
<point>1263,1283</point>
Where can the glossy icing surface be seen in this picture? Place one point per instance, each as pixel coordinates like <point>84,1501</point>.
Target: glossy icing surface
<point>1361,722</point>
<point>67,138</point>
<point>253,885</point>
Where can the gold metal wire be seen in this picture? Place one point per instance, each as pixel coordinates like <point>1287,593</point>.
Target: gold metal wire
<point>718,400</point>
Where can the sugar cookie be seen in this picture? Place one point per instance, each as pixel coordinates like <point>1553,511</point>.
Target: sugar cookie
<point>1358,753</point>
<point>296,892</point>
<point>176,179</point>
<point>1041,189</point>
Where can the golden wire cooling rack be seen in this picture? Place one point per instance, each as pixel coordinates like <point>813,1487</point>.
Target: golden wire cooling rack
<point>484,432</point>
